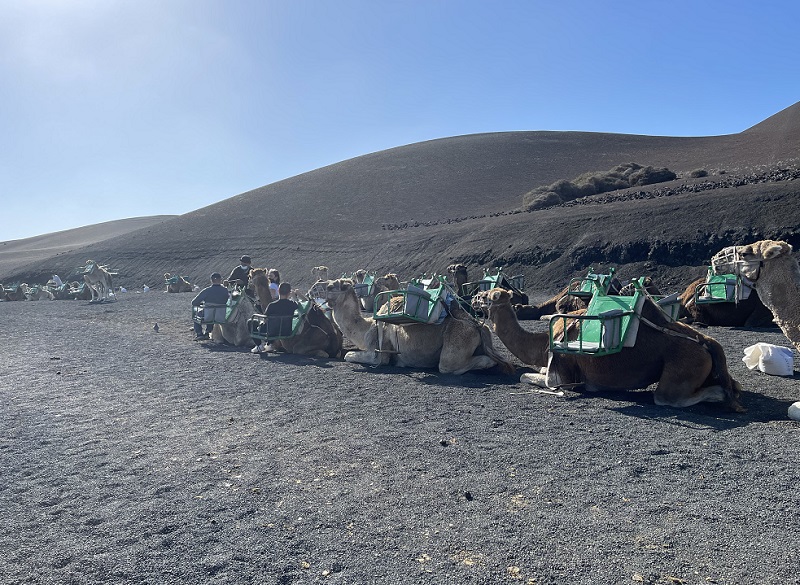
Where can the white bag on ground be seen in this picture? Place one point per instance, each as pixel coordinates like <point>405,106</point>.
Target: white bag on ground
<point>794,411</point>
<point>770,359</point>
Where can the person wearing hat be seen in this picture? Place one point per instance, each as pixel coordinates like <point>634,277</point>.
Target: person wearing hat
<point>216,294</point>
<point>240,275</point>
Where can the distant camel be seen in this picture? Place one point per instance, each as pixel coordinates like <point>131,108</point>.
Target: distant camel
<point>177,284</point>
<point>39,293</point>
<point>98,279</point>
<point>319,273</point>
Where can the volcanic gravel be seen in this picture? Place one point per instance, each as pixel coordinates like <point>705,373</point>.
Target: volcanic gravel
<point>135,456</point>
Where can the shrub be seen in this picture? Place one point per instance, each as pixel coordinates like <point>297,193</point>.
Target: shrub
<point>698,173</point>
<point>620,177</point>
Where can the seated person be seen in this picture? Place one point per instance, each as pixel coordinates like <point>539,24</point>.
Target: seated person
<point>274,282</point>
<point>240,275</point>
<point>280,312</point>
<point>216,294</point>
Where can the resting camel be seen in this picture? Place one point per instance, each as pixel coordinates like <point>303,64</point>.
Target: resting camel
<point>381,284</point>
<point>15,293</point>
<point>775,275</point>
<point>456,346</point>
<point>98,279</point>
<point>562,302</point>
<point>688,366</point>
<point>177,284</point>
<point>39,293</point>
<point>319,273</point>
<point>235,330</point>
<point>318,336</point>
<point>749,312</point>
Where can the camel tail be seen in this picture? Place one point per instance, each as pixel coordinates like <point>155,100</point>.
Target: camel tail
<point>488,348</point>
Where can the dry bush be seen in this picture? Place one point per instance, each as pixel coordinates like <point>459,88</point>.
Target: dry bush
<point>620,177</point>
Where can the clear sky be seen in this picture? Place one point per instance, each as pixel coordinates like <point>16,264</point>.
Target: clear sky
<point>113,109</point>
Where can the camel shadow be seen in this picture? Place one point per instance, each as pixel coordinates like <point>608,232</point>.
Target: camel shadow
<point>432,377</point>
<point>297,359</point>
<point>706,415</point>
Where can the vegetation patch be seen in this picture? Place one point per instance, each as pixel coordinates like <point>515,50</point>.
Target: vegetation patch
<point>620,177</point>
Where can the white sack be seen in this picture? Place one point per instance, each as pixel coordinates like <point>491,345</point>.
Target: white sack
<point>770,359</point>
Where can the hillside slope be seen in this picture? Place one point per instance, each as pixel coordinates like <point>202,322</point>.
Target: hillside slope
<point>465,189</point>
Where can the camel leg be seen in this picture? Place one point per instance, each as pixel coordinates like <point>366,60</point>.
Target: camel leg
<point>537,379</point>
<point>458,349</point>
<point>477,362</point>
<point>369,358</point>
<point>680,385</point>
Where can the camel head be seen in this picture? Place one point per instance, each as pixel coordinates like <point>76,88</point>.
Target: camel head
<point>335,290</point>
<point>459,272</point>
<point>319,273</point>
<point>484,300</point>
<point>359,275</point>
<point>748,260</point>
<point>258,275</point>
<point>388,281</point>
<point>167,276</point>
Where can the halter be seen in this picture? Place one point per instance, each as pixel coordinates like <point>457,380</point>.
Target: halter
<point>728,261</point>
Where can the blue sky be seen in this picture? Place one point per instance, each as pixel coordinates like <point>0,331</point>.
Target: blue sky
<point>114,109</point>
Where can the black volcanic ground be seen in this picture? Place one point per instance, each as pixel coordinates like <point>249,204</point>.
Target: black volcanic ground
<point>421,207</point>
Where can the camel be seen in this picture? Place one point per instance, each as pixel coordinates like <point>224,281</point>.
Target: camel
<point>380,284</point>
<point>98,279</point>
<point>38,293</point>
<point>318,336</point>
<point>177,284</point>
<point>235,330</point>
<point>688,366</point>
<point>775,275</point>
<point>460,276</point>
<point>259,283</point>
<point>15,292</point>
<point>749,312</point>
<point>319,273</point>
<point>456,346</point>
<point>530,348</point>
<point>562,302</point>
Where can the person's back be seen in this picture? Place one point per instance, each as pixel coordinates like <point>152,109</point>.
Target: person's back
<point>217,295</point>
<point>279,313</point>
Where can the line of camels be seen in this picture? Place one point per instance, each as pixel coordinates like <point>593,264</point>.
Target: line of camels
<point>687,366</point>
<point>96,286</point>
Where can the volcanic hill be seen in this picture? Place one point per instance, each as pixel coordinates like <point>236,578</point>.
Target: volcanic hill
<point>420,207</point>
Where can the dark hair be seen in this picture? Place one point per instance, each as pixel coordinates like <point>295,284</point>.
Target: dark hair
<point>271,272</point>
<point>284,288</point>
<point>216,276</point>
<point>245,259</point>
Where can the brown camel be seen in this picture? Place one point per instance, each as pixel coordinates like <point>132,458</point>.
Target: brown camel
<point>456,346</point>
<point>177,284</point>
<point>562,302</point>
<point>749,312</point>
<point>775,275</point>
<point>318,336</point>
<point>687,366</point>
<point>528,347</point>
